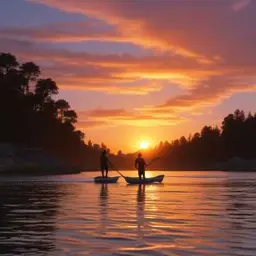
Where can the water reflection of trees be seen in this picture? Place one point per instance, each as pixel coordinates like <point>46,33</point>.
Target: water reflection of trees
<point>27,218</point>
<point>241,202</point>
<point>241,211</point>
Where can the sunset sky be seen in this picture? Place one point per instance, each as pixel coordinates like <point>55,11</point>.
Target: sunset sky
<point>139,69</point>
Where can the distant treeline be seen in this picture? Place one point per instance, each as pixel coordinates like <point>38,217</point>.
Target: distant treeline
<point>235,139</point>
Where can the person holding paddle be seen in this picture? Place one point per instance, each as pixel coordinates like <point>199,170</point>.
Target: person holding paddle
<point>140,165</point>
<point>104,161</point>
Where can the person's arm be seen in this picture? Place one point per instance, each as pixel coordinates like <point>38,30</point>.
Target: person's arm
<point>135,164</point>
<point>109,161</point>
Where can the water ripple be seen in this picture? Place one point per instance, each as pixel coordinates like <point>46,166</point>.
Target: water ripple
<point>192,213</point>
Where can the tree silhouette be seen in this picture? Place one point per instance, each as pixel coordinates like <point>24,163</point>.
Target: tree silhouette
<point>45,88</point>
<point>90,144</point>
<point>70,116</point>
<point>30,72</point>
<point>61,106</point>
<point>30,117</point>
<point>7,62</point>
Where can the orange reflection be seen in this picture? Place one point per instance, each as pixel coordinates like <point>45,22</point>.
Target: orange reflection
<point>178,214</point>
<point>140,210</point>
<point>150,174</point>
<point>103,206</point>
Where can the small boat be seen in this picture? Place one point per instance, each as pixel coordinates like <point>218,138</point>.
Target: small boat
<point>136,180</point>
<point>100,179</point>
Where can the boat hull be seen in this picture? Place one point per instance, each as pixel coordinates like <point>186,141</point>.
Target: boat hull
<point>100,179</point>
<point>157,179</point>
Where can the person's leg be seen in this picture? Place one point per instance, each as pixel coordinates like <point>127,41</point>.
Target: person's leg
<point>143,173</point>
<point>106,171</point>
<point>102,171</point>
<point>139,174</point>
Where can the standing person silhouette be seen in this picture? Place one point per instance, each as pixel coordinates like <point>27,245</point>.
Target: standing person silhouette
<point>104,161</point>
<point>140,165</point>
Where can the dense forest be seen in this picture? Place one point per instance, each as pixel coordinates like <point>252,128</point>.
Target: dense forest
<point>32,117</point>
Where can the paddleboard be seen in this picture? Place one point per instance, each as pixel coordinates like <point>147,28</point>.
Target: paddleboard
<point>100,179</point>
<point>132,180</point>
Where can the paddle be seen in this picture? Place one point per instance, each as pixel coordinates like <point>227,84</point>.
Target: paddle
<point>157,158</point>
<point>153,160</point>
<point>117,170</point>
<point>120,173</point>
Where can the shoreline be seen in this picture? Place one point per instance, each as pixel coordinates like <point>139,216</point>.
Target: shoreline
<point>180,170</point>
<point>42,171</point>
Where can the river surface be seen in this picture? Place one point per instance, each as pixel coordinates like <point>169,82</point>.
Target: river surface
<point>191,213</point>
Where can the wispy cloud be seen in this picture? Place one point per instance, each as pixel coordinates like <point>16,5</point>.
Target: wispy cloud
<point>149,33</point>
<point>85,125</point>
<point>205,94</point>
<point>96,71</point>
<point>241,4</point>
<point>67,32</point>
<point>130,118</point>
<point>195,29</point>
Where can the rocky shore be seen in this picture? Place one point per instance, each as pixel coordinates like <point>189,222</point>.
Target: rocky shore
<point>26,161</point>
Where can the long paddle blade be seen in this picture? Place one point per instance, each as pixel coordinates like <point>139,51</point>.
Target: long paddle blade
<point>153,160</point>
<point>120,173</point>
<point>117,170</point>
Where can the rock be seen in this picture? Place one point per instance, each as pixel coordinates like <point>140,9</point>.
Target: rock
<point>30,161</point>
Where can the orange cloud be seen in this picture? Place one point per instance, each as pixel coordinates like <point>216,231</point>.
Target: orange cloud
<point>130,118</point>
<point>109,73</point>
<point>125,16</point>
<point>111,88</point>
<point>202,30</point>
<point>85,125</point>
<point>206,93</point>
<point>67,32</point>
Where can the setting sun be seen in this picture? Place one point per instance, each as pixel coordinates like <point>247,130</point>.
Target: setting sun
<point>144,144</point>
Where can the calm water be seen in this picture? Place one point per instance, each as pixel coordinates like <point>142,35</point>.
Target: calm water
<point>191,213</point>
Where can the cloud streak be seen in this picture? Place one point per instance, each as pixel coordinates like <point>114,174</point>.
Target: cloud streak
<point>130,118</point>
<point>96,72</point>
<point>196,29</point>
<point>67,32</point>
<point>120,14</point>
<point>205,94</point>
<point>241,4</point>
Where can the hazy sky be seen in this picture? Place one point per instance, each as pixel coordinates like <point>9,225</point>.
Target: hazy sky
<point>139,69</point>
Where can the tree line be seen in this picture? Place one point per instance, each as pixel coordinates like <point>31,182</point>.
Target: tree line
<point>236,138</point>
<point>31,117</point>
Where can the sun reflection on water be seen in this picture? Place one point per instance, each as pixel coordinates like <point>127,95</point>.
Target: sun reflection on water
<point>187,215</point>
